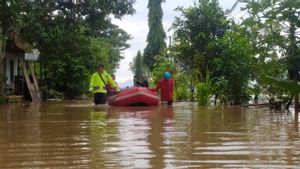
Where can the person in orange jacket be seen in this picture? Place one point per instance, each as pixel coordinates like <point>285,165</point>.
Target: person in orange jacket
<point>110,90</point>
<point>166,88</point>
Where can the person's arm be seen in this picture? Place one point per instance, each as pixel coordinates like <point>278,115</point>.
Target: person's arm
<point>156,89</point>
<point>137,82</point>
<point>113,83</point>
<point>146,84</point>
<point>92,83</point>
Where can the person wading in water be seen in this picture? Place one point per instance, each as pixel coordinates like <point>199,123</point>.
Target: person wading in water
<point>100,82</point>
<point>166,88</point>
<point>142,81</point>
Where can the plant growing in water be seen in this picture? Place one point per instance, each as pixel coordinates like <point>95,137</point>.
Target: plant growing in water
<point>204,90</point>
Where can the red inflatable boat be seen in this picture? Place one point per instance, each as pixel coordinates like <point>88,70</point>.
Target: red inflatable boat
<point>137,96</point>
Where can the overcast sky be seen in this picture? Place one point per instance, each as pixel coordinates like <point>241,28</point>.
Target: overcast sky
<point>137,26</point>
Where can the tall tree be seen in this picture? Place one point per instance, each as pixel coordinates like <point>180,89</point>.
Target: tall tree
<point>233,65</point>
<point>156,35</point>
<point>195,30</point>
<point>138,65</point>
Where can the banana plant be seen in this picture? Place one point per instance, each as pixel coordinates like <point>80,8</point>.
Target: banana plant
<point>292,86</point>
<point>289,85</point>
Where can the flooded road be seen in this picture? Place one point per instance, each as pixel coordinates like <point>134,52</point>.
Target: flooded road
<point>82,136</point>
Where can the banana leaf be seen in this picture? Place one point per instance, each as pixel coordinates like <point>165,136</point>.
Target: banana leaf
<point>289,85</point>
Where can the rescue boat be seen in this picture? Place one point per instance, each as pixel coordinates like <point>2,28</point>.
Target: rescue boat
<point>137,96</point>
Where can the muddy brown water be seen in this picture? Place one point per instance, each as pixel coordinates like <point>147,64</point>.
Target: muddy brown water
<point>79,135</point>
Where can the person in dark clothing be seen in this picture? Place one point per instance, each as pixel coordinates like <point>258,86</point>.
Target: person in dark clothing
<point>255,99</point>
<point>142,83</point>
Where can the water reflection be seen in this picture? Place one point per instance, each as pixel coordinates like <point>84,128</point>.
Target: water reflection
<point>138,138</point>
<point>79,135</point>
<point>98,129</point>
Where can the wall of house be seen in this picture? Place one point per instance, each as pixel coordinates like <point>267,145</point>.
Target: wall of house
<point>11,68</point>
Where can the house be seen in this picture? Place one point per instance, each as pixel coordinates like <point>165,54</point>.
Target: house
<point>11,68</point>
<point>20,79</point>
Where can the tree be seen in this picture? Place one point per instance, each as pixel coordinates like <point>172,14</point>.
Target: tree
<point>138,65</point>
<point>275,28</point>
<point>10,19</point>
<point>68,35</point>
<point>156,35</point>
<point>70,56</point>
<point>115,40</point>
<point>194,32</point>
<point>233,65</point>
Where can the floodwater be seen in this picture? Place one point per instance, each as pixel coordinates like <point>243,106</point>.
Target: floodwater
<point>79,135</point>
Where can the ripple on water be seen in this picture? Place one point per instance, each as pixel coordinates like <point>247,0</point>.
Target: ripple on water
<point>180,137</point>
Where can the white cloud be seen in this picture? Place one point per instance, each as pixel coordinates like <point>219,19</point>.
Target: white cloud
<point>137,26</point>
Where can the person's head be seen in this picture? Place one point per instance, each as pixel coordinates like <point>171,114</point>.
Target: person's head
<point>139,77</point>
<point>143,77</point>
<point>113,77</point>
<point>100,68</point>
<point>167,75</point>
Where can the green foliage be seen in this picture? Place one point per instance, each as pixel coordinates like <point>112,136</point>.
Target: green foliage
<point>182,80</point>
<point>48,93</point>
<point>277,52</point>
<point>207,42</point>
<point>289,85</point>
<point>65,68</point>
<point>137,66</point>
<point>195,30</point>
<point>156,35</point>
<point>234,65</point>
<point>221,90</point>
<point>182,85</point>
<point>101,51</point>
<point>268,21</point>
<point>204,90</point>
<point>162,65</point>
<point>206,39</point>
<point>72,38</point>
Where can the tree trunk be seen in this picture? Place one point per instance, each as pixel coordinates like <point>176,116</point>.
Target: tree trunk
<point>296,99</point>
<point>297,104</point>
<point>289,103</point>
<point>2,75</point>
<point>292,54</point>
